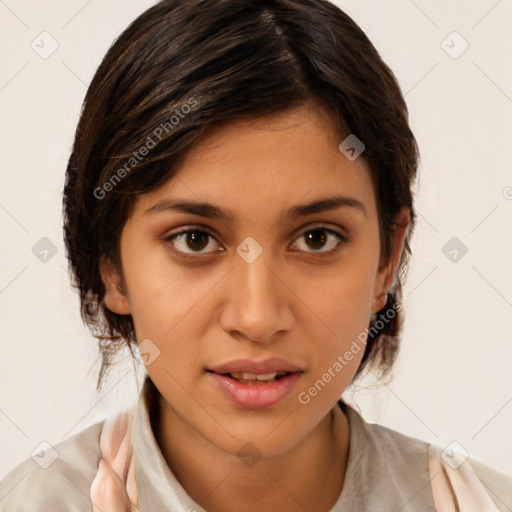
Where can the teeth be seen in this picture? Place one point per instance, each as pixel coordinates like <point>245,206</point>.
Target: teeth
<point>246,376</point>
<point>266,376</point>
<point>253,376</point>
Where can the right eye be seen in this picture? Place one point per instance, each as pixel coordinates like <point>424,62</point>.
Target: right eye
<point>194,239</point>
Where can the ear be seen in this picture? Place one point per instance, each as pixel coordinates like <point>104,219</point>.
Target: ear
<point>115,296</point>
<point>387,270</point>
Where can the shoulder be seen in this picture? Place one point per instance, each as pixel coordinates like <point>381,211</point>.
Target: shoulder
<point>498,485</point>
<point>388,443</point>
<point>379,456</point>
<point>61,478</point>
<point>382,455</point>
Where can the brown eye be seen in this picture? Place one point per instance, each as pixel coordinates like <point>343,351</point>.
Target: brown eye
<point>188,243</point>
<point>191,241</point>
<point>317,238</point>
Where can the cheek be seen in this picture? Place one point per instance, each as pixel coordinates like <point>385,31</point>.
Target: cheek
<point>341,297</point>
<point>167,302</point>
<point>160,293</point>
<point>341,349</point>
<point>342,303</point>
<point>337,357</point>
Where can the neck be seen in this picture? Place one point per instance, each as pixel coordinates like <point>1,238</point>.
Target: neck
<point>308,477</point>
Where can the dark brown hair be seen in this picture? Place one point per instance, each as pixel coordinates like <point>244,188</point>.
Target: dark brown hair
<point>185,67</point>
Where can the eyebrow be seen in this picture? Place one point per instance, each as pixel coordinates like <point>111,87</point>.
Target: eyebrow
<point>211,211</point>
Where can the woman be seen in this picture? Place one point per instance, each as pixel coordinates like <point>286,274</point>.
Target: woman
<point>238,206</point>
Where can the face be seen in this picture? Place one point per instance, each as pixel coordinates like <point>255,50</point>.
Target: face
<point>255,284</point>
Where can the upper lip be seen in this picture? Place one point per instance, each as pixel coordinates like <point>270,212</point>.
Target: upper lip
<point>274,364</point>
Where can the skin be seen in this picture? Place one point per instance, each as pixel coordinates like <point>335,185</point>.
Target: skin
<point>294,301</point>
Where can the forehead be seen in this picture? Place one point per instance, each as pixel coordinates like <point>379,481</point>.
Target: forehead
<point>270,163</point>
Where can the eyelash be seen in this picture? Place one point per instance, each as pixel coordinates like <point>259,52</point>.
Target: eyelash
<point>342,239</point>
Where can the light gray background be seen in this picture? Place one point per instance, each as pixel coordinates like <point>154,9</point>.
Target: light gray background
<point>453,378</point>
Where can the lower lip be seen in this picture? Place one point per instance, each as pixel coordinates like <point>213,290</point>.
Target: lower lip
<point>255,396</point>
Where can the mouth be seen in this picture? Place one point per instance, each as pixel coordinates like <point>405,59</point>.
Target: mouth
<point>253,378</point>
<point>250,370</point>
<point>255,385</point>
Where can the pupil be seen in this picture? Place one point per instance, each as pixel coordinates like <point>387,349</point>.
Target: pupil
<point>319,241</point>
<point>196,237</point>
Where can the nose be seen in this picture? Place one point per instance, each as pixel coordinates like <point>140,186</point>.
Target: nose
<point>258,301</point>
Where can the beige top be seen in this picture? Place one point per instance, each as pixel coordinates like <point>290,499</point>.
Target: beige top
<point>387,471</point>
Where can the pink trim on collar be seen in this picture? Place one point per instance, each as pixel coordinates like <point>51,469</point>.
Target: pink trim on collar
<point>114,488</point>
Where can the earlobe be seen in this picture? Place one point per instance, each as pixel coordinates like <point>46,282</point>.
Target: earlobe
<point>387,271</point>
<point>115,297</point>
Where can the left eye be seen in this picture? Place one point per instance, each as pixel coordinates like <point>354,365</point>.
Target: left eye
<point>319,236</point>
<point>197,240</point>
